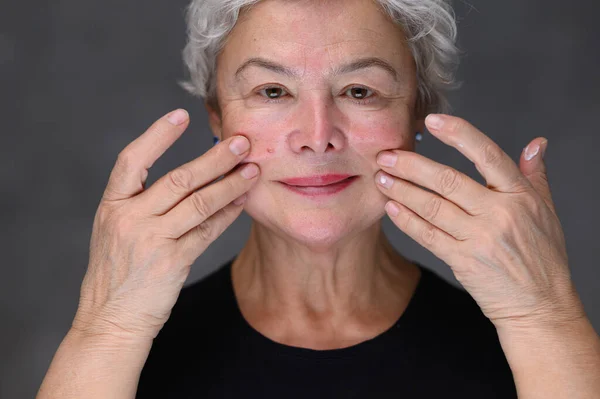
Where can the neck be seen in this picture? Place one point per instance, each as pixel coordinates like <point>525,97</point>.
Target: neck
<point>287,290</point>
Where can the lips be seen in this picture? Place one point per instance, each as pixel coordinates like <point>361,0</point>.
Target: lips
<point>318,188</point>
<point>315,181</point>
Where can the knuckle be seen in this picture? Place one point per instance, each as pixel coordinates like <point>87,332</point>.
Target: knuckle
<point>409,222</point>
<point>448,182</point>
<point>125,160</point>
<point>180,180</point>
<point>428,235</point>
<point>200,205</point>
<point>205,231</point>
<point>432,208</point>
<point>491,155</point>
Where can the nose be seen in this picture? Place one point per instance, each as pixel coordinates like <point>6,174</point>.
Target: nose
<point>318,125</point>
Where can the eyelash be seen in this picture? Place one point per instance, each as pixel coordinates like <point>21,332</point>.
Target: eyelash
<point>356,101</point>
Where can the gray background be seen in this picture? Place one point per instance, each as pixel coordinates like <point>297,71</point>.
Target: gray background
<point>81,79</point>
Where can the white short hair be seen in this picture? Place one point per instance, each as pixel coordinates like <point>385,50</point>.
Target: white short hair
<point>429,26</point>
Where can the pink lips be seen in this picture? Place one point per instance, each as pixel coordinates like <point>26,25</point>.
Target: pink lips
<point>319,180</point>
<point>322,185</point>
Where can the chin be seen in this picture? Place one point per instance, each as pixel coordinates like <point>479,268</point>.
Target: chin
<point>319,228</point>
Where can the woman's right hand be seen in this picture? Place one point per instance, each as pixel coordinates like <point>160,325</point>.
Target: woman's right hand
<point>144,241</point>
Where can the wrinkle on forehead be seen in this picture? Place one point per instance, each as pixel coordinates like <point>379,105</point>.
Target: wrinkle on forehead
<point>310,23</point>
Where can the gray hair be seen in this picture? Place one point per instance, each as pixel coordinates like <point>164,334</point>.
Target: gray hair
<point>429,26</point>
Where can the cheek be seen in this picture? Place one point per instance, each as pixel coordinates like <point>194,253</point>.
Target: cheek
<point>260,127</point>
<point>378,131</point>
<point>266,128</point>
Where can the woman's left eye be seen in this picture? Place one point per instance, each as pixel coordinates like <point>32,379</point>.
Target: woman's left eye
<point>362,94</point>
<point>272,93</point>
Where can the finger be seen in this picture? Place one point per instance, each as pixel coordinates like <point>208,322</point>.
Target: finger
<point>130,172</point>
<point>435,240</point>
<point>202,204</point>
<point>438,211</point>
<point>448,182</point>
<point>176,185</point>
<point>534,169</point>
<point>192,244</point>
<point>498,169</point>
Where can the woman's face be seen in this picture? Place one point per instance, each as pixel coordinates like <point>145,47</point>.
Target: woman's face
<point>309,109</point>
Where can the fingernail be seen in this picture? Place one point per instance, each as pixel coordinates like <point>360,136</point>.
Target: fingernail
<point>387,159</point>
<point>434,121</point>
<point>544,145</point>
<point>239,145</point>
<point>392,209</point>
<point>240,200</point>
<point>384,180</point>
<point>178,116</point>
<point>249,171</point>
<point>531,151</point>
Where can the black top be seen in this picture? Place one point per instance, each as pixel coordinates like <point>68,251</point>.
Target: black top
<point>441,347</point>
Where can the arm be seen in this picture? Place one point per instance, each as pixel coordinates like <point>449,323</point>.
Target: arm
<point>100,366</point>
<point>144,241</point>
<point>560,362</point>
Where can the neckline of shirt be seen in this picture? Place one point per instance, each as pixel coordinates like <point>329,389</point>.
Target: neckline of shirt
<point>379,342</point>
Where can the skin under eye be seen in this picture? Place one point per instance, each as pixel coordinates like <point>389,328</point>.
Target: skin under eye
<point>357,94</point>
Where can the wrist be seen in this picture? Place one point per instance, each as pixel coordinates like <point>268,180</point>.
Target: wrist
<point>109,341</point>
<point>558,314</point>
<point>561,361</point>
<point>103,329</point>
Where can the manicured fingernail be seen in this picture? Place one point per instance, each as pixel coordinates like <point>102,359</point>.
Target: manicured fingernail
<point>240,200</point>
<point>544,146</point>
<point>239,145</point>
<point>249,171</point>
<point>178,116</point>
<point>434,121</point>
<point>392,209</point>
<point>531,151</point>
<point>387,159</point>
<point>383,180</point>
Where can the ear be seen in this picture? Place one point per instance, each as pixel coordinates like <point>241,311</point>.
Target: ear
<point>214,120</point>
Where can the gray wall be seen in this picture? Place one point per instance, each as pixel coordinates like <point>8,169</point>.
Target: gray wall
<point>81,79</point>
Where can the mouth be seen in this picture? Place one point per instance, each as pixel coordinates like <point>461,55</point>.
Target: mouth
<point>316,181</point>
<point>318,186</point>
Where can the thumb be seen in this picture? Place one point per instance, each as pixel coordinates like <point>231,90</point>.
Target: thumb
<point>533,167</point>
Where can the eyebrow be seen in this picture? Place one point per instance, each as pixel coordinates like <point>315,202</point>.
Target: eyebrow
<point>361,63</point>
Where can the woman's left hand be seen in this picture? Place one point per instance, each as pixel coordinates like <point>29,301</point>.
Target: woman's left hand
<point>504,242</point>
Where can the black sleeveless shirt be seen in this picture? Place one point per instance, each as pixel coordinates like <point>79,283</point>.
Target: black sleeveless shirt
<point>441,347</point>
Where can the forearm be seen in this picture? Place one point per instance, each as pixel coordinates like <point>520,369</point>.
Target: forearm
<point>95,367</point>
<point>554,363</point>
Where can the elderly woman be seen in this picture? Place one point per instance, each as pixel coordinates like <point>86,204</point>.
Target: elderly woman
<point>318,105</point>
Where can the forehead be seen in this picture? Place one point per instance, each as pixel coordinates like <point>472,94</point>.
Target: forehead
<point>315,35</point>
